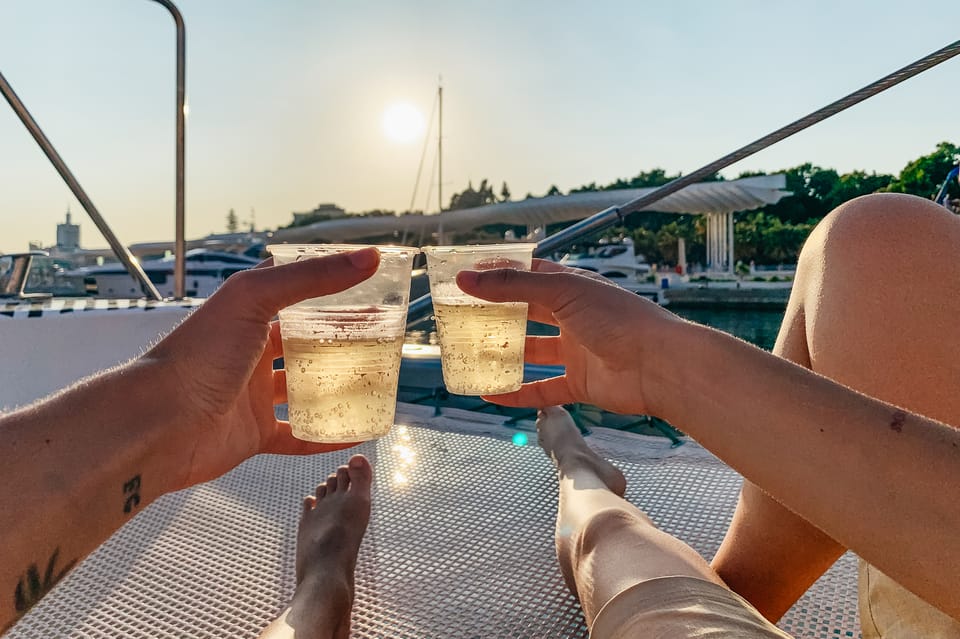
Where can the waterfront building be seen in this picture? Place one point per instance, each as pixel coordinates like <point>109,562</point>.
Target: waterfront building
<point>68,235</point>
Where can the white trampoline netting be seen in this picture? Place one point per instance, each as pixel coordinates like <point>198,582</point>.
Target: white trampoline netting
<point>460,543</point>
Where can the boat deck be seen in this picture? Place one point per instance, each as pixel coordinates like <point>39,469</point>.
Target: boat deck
<point>460,543</point>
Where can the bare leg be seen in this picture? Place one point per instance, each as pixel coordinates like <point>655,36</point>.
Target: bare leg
<point>605,544</point>
<point>328,541</point>
<point>874,307</point>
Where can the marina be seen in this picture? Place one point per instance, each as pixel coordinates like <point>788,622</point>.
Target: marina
<point>461,541</point>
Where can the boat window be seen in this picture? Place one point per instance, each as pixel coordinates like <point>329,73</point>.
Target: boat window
<point>47,277</point>
<point>611,251</point>
<point>7,280</point>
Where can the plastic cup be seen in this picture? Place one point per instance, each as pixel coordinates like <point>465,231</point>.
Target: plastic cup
<point>342,351</point>
<point>481,342</point>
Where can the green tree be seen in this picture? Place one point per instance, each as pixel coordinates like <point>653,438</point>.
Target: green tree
<point>232,222</point>
<point>378,213</point>
<point>553,190</point>
<point>810,186</point>
<point>470,198</point>
<point>766,239</point>
<point>645,243</point>
<point>692,228</point>
<point>644,179</point>
<point>924,175</point>
<point>855,184</point>
<point>586,188</point>
<point>654,177</point>
<point>504,193</point>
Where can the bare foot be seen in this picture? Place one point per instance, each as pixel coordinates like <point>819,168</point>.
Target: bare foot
<point>560,438</point>
<point>328,540</point>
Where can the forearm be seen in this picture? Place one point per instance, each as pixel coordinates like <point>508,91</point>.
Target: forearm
<point>833,456</point>
<point>76,468</point>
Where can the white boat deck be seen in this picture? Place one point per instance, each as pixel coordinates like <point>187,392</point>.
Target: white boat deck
<point>460,543</point>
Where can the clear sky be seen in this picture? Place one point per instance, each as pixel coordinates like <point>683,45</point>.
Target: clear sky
<point>286,98</point>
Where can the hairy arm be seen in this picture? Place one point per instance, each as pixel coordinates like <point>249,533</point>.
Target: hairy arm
<point>78,465</point>
<point>76,468</point>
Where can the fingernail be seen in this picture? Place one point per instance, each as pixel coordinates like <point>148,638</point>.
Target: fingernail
<point>364,258</point>
<point>469,278</point>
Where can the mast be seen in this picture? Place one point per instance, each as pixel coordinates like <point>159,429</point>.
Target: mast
<point>440,157</point>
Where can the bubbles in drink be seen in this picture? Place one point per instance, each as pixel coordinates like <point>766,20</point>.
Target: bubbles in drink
<point>341,390</point>
<point>481,346</point>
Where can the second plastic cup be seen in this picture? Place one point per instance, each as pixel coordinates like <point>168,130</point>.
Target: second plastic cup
<point>342,351</point>
<point>481,342</point>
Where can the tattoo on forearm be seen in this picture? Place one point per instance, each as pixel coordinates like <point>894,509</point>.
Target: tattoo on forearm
<point>31,588</point>
<point>896,424</point>
<point>131,494</point>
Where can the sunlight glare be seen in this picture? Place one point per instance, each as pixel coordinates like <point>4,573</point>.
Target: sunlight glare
<point>402,122</point>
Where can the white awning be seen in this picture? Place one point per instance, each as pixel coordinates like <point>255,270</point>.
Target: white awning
<point>706,197</point>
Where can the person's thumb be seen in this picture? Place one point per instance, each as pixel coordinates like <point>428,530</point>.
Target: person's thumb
<point>264,291</point>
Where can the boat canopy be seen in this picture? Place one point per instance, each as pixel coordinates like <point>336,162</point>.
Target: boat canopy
<point>702,198</point>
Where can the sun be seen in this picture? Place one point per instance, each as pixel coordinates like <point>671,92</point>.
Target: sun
<point>402,122</point>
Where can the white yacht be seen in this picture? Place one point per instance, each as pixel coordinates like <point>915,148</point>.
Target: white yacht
<point>206,270</point>
<point>613,260</point>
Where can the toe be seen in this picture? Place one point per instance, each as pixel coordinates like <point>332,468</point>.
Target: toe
<point>554,413</point>
<point>308,503</point>
<point>332,483</point>
<point>343,479</point>
<point>321,491</point>
<point>361,474</point>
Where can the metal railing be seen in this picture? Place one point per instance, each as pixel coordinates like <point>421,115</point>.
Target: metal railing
<point>132,266</point>
<point>122,253</point>
<point>180,244</point>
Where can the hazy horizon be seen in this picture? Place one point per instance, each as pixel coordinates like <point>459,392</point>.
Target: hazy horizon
<point>286,100</point>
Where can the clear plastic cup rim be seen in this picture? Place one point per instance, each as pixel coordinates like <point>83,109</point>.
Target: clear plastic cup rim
<point>480,248</point>
<point>338,248</point>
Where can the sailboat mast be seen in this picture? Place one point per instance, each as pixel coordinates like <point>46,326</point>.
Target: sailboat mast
<point>440,146</point>
<point>440,159</point>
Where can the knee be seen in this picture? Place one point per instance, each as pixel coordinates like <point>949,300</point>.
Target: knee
<point>605,527</point>
<point>879,230</point>
<point>883,215</point>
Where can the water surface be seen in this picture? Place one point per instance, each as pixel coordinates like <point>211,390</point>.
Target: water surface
<point>758,327</point>
<point>755,326</point>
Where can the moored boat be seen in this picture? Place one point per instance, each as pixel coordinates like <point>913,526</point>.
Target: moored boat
<point>206,270</point>
<point>613,260</point>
